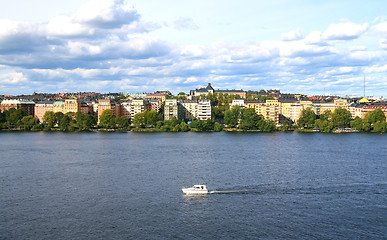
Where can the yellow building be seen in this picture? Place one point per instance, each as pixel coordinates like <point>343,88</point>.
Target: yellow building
<point>58,106</point>
<point>272,110</point>
<point>341,103</point>
<point>71,105</point>
<point>286,109</point>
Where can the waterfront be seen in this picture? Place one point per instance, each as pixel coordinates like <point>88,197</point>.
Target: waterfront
<point>128,186</point>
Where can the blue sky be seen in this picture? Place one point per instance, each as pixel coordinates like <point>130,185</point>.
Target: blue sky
<point>308,47</point>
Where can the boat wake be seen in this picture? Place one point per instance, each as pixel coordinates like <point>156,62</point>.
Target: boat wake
<point>378,188</point>
<point>240,191</point>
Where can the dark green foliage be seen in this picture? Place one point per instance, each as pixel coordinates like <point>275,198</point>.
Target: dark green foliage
<point>28,122</point>
<point>374,116</point>
<point>59,116</point>
<point>173,125</point>
<point>49,120</point>
<point>231,117</point>
<point>373,121</point>
<point>107,119</point>
<point>203,125</point>
<point>123,122</point>
<point>146,119</point>
<point>266,125</point>
<point>325,126</point>
<point>68,122</point>
<point>249,119</point>
<point>307,118</point>
<point>341,118</point>
<point>380,127</point>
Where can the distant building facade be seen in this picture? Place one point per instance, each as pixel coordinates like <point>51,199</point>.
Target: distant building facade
<point>28,106</point>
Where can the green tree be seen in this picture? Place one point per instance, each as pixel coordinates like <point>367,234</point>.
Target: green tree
<point>231,117</point>
<point>307,118</point>
<point>249,119</point>
<point>325,126</point>
<point>266,125</point>
<point>218,127</point>
<point>139,120</point>
<point>65,124</point>
<point>13,116</point>
<point>326,115</point>
<point>107,119</point>
<point>374,116</point>
<point>28,122</point>
<point>360,124</point>
<point>341,118</point>
<point>123,122</point>
<point>380,127</point>
<point>49,120</point>
<point>59,116</point>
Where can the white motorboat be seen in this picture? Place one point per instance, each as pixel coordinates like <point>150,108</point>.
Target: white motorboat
<point>196,189</point>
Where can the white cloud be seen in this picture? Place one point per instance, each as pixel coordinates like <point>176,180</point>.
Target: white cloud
<point>381,27</point>
<point>376,69</point>
<point>65,26</point>
<point>344,31</point>
<point>185,24</point>
<point>341,70</point>
<point>107,46</point>
<point>106,13</point>
<point>292,35</point>
<point>383,43</point>
<point>13,78</point>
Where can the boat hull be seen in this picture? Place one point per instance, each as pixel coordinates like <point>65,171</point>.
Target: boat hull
<point>194,191</point>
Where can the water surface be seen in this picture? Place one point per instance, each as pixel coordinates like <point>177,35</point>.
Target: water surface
<point>128,186</point>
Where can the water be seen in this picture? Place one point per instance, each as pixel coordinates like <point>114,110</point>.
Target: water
<point>128,186</point>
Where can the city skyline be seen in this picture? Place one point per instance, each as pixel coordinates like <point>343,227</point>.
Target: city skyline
<point>306,47</point>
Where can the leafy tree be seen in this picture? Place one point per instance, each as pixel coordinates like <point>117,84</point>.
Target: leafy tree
<point>173,125</point>
<point>107,119</point>
<point>140,120</point>
<point>231,116</point>
<point>65,124</point>
<point>249,119</point>
<point>325,126</point>
<point>184,127</point>
<point>218,127</point>
<point>341,118</point>
<point>49,120</point>
<point>380,127</point>
<point>28,122</point>
<point>326,115</point>
<point>3,118</point>
<point>307,118</point>
<point>266,125</point>
<point>13,116</point>
<point>59,116</point>
<point>360,124</point>
<point>374,116</point>
<point>123,122</point>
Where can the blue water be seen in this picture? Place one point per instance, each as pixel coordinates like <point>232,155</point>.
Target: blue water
<point>128,186</point>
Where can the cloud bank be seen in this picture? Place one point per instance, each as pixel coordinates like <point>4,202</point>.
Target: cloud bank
<point>106,46</point>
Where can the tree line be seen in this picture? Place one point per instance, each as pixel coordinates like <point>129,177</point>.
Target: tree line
<point>235,118</point>
<point>374,121</point>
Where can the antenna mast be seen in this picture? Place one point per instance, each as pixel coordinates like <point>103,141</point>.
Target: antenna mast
<point>364,87</point>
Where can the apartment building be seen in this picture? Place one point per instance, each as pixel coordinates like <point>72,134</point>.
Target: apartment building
<point>41,108</point>
<point>190,109</point>
<point>172,108</point>
<point>204,109</point>
<point>104,104</point>
<point>71,105</point>
<point>27,105</point>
